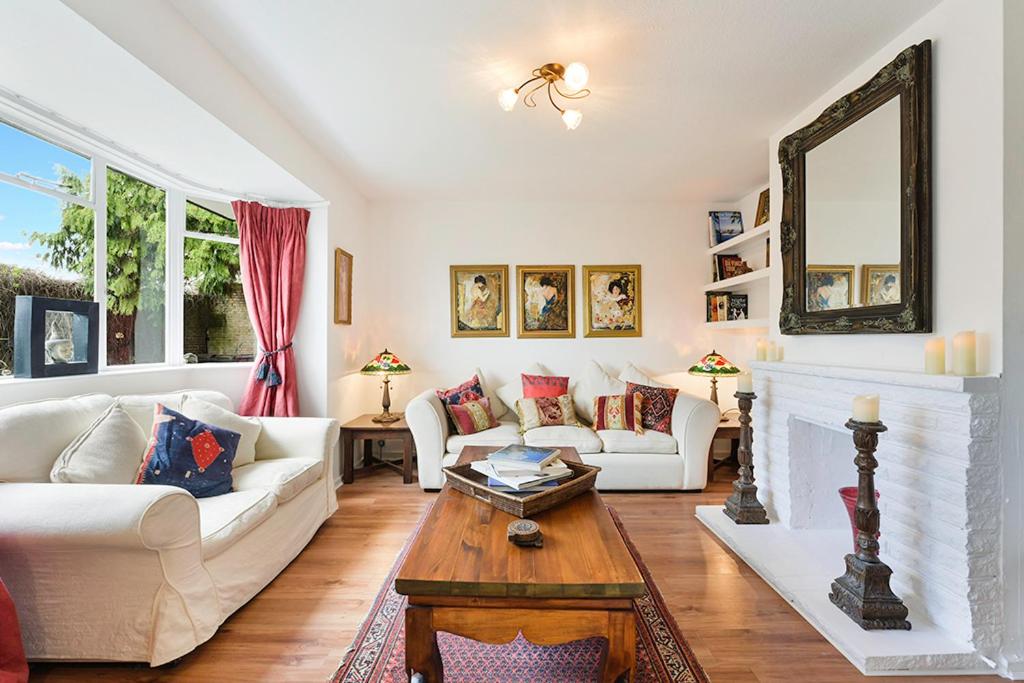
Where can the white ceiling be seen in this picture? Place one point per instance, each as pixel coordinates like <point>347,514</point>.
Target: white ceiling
<point>402,95</point>
<point>57,59</point>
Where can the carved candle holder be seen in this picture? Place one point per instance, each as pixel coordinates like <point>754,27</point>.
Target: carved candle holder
<point>742,506</point>
<point>863,592</point>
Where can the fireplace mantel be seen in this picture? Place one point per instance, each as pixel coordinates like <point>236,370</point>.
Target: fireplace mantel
<point>939,480</point>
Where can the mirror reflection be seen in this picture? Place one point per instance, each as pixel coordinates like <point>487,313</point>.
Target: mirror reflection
<point>853,221</point>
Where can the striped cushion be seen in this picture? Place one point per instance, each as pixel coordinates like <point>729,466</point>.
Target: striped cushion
<point>621,411</point>
<point>472,416</point>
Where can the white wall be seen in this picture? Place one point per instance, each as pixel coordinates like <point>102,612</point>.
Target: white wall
<point>421,240</point>
<point>967,208</point>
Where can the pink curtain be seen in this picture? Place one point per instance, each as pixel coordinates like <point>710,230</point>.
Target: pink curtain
<point>273,254</point>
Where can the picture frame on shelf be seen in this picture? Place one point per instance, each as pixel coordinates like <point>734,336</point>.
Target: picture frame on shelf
<point>546,301</point>
<point>763,211</point>
<point>479,300</point>
<point>343,262</point>
<point>723,226</point>
<point>612,301</point>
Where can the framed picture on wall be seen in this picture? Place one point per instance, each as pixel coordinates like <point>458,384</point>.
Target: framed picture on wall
<point>829,287</point>
<point>546,307</point>
<point>880,285</point>
<point>479,297</point>
<point>762,209</point>
<point>611,301</point>
<point>342,287</point>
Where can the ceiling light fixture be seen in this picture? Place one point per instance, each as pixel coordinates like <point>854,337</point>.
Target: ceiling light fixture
<point>574,76</point>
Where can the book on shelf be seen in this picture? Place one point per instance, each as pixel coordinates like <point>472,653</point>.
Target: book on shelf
<point>723,226</point>
<point>737,307</point>
<point>530,458</point>
<point>723,306</point>
<point>729,265</point>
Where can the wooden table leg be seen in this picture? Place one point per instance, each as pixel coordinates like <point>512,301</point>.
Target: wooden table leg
<point>422,655</point>
<point>367,452</point>
<point>347,454</point>
<point>620,662</point>
<point>407,459</point>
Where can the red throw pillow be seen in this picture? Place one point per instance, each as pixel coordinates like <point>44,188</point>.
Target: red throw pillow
<point>656,410</point>
<point>541,386</point>
<point>619,412</point>
<point>472,416</point>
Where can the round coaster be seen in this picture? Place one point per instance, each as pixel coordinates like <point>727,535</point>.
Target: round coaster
<point>525,532</point>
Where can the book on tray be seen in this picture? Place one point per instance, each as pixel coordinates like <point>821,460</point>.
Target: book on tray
<point>509,476</point>
<point>531,458</point>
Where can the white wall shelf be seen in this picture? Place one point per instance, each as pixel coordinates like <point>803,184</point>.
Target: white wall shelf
<point>746,278</point>
<point>748,324</point>
<point>760,231</point>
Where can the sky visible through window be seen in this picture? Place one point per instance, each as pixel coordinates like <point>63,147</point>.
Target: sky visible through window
<point>22,211</point>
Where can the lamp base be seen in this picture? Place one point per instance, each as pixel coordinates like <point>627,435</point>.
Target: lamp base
<point>388,417</point>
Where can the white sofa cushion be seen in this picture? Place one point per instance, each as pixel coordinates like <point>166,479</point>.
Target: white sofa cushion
<point>630,373</point>
<point>504,434</point>
<point>108,452</point>
<point>284,477</point>
<point>225,519</point>
<point>33,435</point>
<point>140,406</point>
<point>637,471</point>
<point>513,391</point>
<point>627,441</point>
<point>583,439</point>
<point>211,413</point>
<point>594,382</point>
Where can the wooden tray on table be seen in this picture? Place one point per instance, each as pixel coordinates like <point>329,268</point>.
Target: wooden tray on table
<point>465,479</point>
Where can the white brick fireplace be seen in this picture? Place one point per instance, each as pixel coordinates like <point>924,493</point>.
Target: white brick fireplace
<point>938,478</point>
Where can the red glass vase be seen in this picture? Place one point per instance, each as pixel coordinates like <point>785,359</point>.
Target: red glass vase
<point>849,496</point>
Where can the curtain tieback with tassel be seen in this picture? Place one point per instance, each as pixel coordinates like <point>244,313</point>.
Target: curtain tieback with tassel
<point>266,372</point>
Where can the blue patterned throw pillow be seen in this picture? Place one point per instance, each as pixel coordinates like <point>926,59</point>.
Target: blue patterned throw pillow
<point>189,454</point>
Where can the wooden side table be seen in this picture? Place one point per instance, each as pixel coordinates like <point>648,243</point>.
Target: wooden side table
<point>365,428</point>
<point>727,429</point>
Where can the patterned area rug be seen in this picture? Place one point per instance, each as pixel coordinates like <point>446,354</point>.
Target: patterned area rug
<point>378,653</point>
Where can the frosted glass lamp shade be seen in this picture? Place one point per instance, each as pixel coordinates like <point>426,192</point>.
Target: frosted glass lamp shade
<point>507,98</point>
<point>572,118</point>
<point>576,76</point>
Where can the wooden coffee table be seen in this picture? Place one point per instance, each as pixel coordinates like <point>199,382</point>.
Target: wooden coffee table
<point>463,576</point>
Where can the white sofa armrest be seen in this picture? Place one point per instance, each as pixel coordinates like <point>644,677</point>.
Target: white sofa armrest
<point>429,426</point>
<point>694,423</point>
<point>146,517</point>
<point>303,437</point>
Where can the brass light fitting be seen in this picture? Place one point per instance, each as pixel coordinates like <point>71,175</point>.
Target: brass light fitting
<point>573,77</point>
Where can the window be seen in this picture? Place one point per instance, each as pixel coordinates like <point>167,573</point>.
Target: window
<point>136,253</point>
<point>46,237</point>
<point>216,321</point>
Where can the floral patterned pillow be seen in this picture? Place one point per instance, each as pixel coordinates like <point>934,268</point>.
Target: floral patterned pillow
<point>621,411</point>
<point>547,411</point>
<point>470,390</point>
<point>656,410</point>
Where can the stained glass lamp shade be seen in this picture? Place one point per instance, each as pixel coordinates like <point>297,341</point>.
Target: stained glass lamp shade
<point>714,365</point>
<point>387,364</point>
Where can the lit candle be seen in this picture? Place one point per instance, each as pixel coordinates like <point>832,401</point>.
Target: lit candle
<point>935,356</point>
<point>965,354</point>
<point>773,353</point>
<point>745,382</point>
<point>762,350</point>
<point>865,408</point>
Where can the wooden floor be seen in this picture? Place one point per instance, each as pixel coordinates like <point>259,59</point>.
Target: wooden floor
<point>298,628</point>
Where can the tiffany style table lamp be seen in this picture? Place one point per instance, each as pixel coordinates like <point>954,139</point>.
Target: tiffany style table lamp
<point>714,365</point>
<point>386,363</point>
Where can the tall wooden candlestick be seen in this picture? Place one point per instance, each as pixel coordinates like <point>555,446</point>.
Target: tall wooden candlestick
<point>742,506</point>
<point>863,592</point>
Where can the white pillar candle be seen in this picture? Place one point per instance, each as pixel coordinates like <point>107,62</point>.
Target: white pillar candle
<point>762,350</point>
<point>772,351</point>
<point>935,356</point>
<point>865,408</point>
<point>745,382</point>
<point>965,354</point>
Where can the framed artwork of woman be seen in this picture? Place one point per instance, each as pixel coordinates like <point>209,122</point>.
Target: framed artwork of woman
<point>611,301</point>
<point>546,307</point>
<point>479,296</point>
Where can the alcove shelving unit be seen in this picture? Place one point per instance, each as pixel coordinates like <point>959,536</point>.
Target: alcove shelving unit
<point>752,247</point>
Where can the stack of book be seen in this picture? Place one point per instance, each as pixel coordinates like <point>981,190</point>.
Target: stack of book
<point>726,306</point>
<point>522,469</point>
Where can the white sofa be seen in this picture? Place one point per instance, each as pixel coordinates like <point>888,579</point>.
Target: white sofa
<point>123,572</point>
<point>653,461</point>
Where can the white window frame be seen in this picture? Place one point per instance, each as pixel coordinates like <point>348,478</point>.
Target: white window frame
<point>103,154</point>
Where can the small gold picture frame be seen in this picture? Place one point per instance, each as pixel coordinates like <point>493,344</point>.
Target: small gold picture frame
<point>829,287</point>
<point>479,301</point>
<point>546,301</point>
<point>879,284</point>
<point>342,287</point>
<point>612,301</point>
<point>763,212</point>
